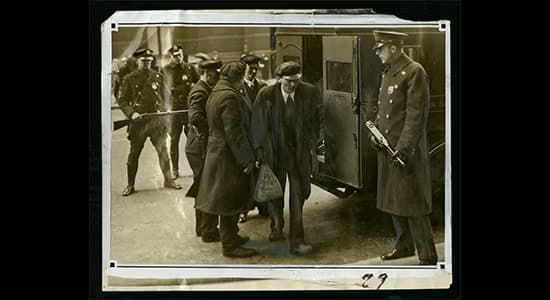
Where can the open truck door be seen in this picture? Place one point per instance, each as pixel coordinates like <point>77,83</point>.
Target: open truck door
<point>340,158</point>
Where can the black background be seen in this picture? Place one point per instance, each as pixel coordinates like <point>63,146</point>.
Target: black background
<point>99,11</point>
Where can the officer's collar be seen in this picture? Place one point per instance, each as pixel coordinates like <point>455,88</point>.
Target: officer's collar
<point>249,82</point>
<point>402,61</point>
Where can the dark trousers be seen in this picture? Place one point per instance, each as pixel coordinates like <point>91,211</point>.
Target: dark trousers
<point>208,224</point>
<point>229,230</point>
<point>179,125</point>
<point>138,132</point>
<point>297,200</point>
<point>413,231</point>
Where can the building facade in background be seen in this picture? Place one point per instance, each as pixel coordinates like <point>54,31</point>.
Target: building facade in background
<point>225,43</point>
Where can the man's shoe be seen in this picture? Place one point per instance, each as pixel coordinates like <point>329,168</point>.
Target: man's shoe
<point>302,249</point>
<point>240,252</point>
<point>172,185</point>
<point>128,190</point>
<point>428,262</point>
<point>395,254</point>
<point>276,236</point>
<point>210,238</point>
<point>241,240</point>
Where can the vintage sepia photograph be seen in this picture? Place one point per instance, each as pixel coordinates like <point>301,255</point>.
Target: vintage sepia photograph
<point>275,150</point>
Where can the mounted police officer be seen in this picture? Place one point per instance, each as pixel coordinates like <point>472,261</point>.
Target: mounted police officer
<point>180,78</point>
<point>250,87</point>
<point>197,139</point>
<point>142,92</point>
<point>404,191</point>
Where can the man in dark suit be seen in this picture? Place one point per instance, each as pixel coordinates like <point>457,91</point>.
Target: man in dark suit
<point>285,127</point>
<point>250,87</point>
<point>225,180</point>
<point>197,139</point>
<point>180,78</point>
<point>142,92</point>
<point>404,191</point>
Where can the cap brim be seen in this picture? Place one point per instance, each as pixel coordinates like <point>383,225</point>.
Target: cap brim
<point>377,45</point>
<point>145,58</point>
<point>292,77</point>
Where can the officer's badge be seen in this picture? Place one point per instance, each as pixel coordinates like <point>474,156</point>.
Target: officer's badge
<point>403,72</point>
<point>184,77</point>
<point>154,85</point>
<point>390,89</point>
<point>396,86</point>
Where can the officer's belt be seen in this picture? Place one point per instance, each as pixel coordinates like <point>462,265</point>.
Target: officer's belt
<point>215,132</point>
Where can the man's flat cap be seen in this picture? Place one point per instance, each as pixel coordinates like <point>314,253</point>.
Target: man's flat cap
<point>175,49</point>
<point>144,54</point>
<point>251,60</point>
<point>289,70</point>
<point>388,37</point>
<point>210,64</point>
<point>202,56</point>
<point>233,69</point>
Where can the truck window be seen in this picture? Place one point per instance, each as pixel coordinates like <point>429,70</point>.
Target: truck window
<point>339,76</point>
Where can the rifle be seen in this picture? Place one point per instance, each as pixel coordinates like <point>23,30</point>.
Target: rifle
<point>382,141</point>
<point>123,123</point>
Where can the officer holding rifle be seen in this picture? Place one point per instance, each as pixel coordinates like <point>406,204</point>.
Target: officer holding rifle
<point>403,163</point>
<point>142,93</point>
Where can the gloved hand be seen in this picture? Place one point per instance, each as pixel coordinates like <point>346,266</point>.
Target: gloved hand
<point>400,155</point>
<point>249,168</point>
<point>374,143</point>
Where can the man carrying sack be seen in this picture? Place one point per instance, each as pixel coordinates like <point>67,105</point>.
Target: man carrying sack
<point>285,131</point>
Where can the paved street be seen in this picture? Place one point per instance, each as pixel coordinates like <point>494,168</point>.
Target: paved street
<point>156,225</point>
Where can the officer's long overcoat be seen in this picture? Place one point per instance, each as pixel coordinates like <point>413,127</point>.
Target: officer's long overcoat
<point>224,188</point>
<point>198,135</point>
<point>180,78</point>
<point>403,106</point>
<point>197,139</point>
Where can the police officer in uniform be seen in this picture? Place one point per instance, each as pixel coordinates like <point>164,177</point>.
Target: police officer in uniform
<point>180,78</point>
<point>251,87</point>
<point>404,191</point>
<point>197,139</point>
<point>251,84</point>
<point>142,92</point>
